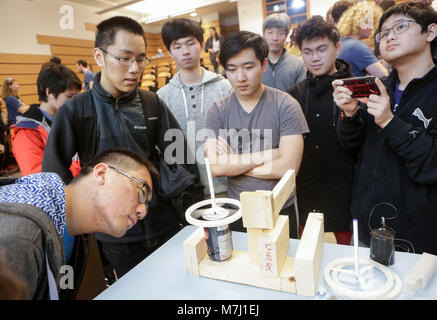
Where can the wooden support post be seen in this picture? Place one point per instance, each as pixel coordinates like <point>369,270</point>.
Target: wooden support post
<point>282,191</point>
<point>195,249</point>
<point>273,247</point>
<point>253,235</point>
<point>309,255</point>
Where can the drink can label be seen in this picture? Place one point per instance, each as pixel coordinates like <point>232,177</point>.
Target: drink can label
<point>219,242</point>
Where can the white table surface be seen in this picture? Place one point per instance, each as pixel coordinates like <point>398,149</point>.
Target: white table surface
<point>163,276</point>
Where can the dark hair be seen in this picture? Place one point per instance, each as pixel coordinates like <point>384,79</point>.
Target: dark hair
<point>82,63</point>
<point>124,159</point>
<point>423,14</point>
<point>386,4</point>
<point>55,60</point>
<point>338,8</point>
<point>57,78</point>
<point>316,28</point>
<point>180,28</point>
<point>240,40</point>
<point>107,29</point>
<point>216,33</point>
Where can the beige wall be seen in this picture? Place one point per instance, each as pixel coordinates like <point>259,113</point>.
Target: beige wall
<point>250,15</point>
<point>22,20</point>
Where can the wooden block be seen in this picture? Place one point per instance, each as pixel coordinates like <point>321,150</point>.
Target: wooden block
<point>239,270</point>
<point>330,237</point>
<point>195,249</point>
<point>257,209</point>
<point>253,235</point>
<point>282,191</point>
<point>273,247</point>
<point>309,255</point>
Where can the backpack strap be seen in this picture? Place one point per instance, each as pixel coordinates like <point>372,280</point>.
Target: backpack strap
<point>150,103</point>
<point>84,124</point>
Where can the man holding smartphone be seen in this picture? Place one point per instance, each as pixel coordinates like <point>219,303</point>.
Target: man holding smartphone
<point>324,183</point>
<point>396,175</point>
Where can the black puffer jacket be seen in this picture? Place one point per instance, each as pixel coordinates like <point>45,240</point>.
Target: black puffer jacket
<point>325,178</point>
<point>398,164</point>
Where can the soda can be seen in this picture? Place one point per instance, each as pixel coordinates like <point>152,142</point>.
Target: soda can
<point>219,242</point>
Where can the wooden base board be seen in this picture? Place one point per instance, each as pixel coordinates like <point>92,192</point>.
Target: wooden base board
<point>238,269</point>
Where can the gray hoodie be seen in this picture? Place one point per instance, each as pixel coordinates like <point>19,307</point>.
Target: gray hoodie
<point>189,105</point>
<point>27,236</point>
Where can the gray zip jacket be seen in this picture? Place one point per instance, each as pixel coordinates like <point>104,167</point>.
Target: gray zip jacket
<point>27,235</point>
<point>287,71</point>
<point>189,105</point>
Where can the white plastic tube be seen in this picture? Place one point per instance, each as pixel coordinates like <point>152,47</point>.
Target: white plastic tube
<point>421,273</point>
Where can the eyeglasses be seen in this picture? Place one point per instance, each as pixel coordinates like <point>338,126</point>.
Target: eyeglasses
<point>397,28</point>
<point>141,61</point>
<point>320,51</point>
<point>142,194</point>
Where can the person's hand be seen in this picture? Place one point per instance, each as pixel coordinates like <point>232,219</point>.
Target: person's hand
<point>379,106</point>
<point>343,98</point>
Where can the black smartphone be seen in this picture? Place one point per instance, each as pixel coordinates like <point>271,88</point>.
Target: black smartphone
<point>361,86</point>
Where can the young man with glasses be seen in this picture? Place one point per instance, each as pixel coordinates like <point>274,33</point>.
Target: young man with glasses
<point>396,176</point>
<point>114,113</point>
<point>42,220</point>
<point>324,183</point>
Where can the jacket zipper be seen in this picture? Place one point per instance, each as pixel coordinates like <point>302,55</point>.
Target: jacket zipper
<point>117,109</point>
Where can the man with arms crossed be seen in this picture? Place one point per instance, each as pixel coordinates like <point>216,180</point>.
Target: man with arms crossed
<point>257,130</point>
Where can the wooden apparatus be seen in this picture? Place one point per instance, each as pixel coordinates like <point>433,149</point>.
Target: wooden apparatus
<point>266,264</point>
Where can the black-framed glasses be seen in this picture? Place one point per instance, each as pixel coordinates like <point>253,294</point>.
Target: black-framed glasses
<point>141,61</point>
<point>397,28</point>
<point>143,190</point>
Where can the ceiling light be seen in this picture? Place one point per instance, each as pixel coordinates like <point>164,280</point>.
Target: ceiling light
<point>154,19</point>
<point>181,13</point>
<point>193,14</point>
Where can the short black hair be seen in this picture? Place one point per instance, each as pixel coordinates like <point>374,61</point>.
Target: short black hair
<point>177,28</point>
<point>339,7</point>
<point>55,60</point>
<point>82,63</point>
<point>57,78</point>
<point>107,29</point>
<point>123,159</point>
<point>240,40</point>
<point>316,28</point>
<point>386,4</point>
<point>423,14</point>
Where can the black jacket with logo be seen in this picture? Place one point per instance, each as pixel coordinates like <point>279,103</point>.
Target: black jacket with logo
<point>94,121</point>
<point>325,178</point>
<point>398,165</point>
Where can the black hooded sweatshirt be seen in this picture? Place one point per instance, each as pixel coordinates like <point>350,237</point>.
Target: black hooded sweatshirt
<point>398,165</point>
<point>325,178</point>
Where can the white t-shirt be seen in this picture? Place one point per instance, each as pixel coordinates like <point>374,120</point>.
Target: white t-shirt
<point>216,45</point>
